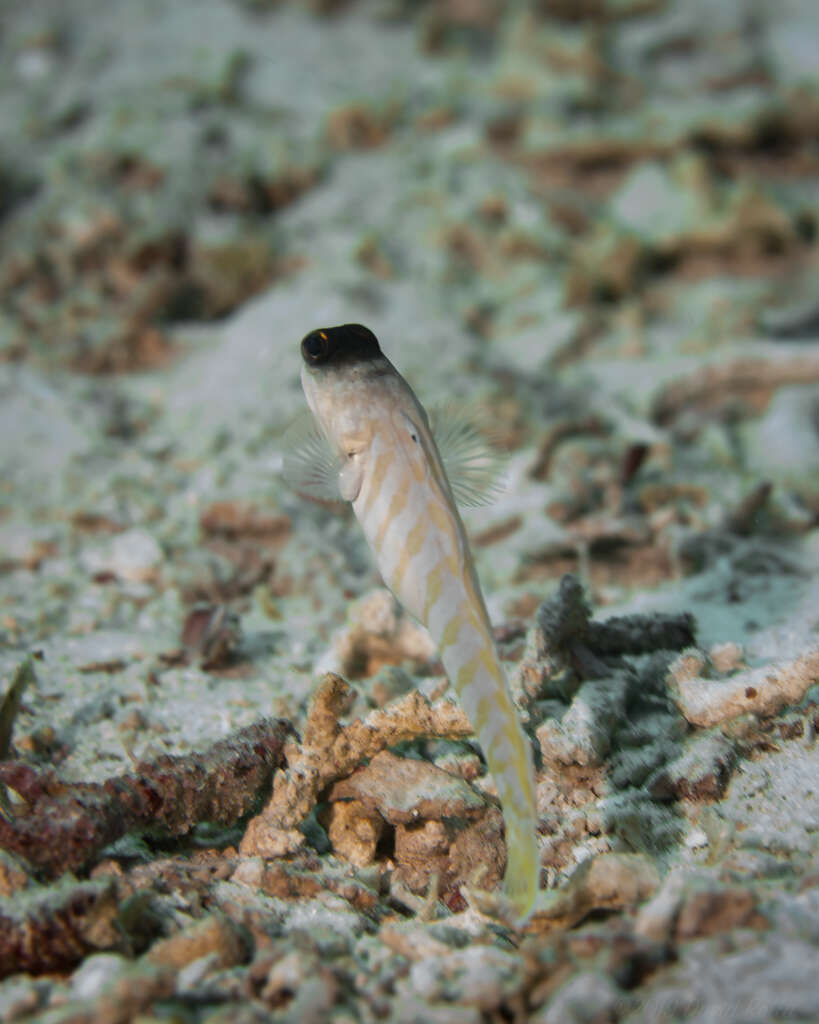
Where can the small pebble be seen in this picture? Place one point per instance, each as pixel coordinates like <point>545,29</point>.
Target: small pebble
<point>249,871</point>
<point>214,934</point>
<point>96,973</point>
<point>696,839</point>
<point>190,978</point>
<point>134,556</point>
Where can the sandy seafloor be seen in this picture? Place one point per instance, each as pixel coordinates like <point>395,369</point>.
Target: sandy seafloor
<point>595,223</point>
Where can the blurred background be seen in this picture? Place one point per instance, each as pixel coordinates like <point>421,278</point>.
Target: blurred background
<point>594,221</point>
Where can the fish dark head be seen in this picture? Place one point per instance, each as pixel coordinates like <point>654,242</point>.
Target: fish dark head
<point>339,346</point>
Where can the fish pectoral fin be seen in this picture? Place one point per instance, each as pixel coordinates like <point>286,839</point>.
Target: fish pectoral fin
<point>310,465</point>
<point>474,469</point>
<point>349,478</point>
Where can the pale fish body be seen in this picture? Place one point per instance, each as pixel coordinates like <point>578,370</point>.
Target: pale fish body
<point>392,472</point>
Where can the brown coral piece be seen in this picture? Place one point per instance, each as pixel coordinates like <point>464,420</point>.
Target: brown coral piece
<point>330,752</point>
<point>232,519</point>
<point>261,194</point>
<point>213,935</point>
<point>354,830</point>
<point>392,789</point>
<point>422,850</point>
<point>357,127</point>
<point>305,879</point>
<point>749,379</point>
<point>708,910</point>
<point>560,431</point>
<point>210,635</point>
<point>610,881</point>
<point>447,21</point>
<point>54,929</point>
<point>139,286</point>
<point>453,854</point>
<point>67,824</point>
<point>405,790</point>
<point>427,806</point>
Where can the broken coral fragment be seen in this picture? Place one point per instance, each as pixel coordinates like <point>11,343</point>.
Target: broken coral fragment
<point>307,879</point>
<point>764,690</point>
<point>354,830</point>
<point>427,806</point>
<point>701,771</point>
<point>565,640</point>
<point>483,977</point>
<point>404,790</point>
<point>67,824</point>
<point>330,752</point>
<point>583,734</point>
<point>443,826</point>
<point>692,904</point>
<point>610,881</point>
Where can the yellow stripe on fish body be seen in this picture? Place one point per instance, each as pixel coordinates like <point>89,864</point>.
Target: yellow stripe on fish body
<point>418,540</point>
<point>403,500</point>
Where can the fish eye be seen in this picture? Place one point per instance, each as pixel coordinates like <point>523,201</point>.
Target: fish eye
<point>315,347</point>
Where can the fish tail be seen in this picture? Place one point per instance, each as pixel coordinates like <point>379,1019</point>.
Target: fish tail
<point>514,780</point>
<point>522,877</point>
<point>485,696</point>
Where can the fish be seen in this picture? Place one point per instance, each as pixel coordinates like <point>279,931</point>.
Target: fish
<point>372,444</point>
